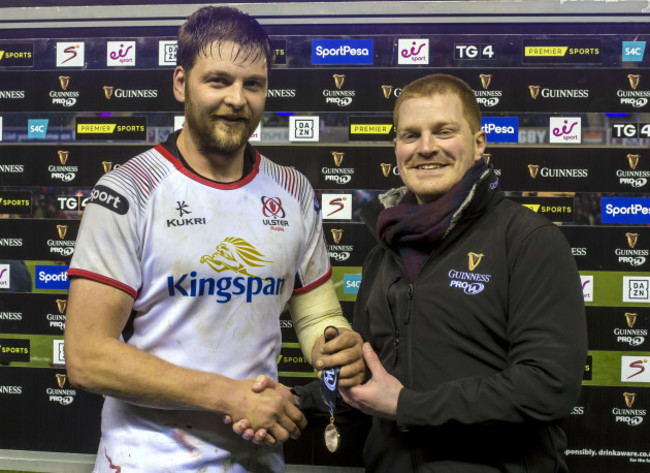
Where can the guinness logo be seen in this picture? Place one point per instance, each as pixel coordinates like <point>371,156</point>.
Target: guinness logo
<point>61,379</point>
<point>64,81</point>
<point>337,234</point>
<point>63,156</point>
<point>62,305</point>
<point>632,238</point>
<point>338,158</point>
<point>474,260</point>
<point>533,169</point>
<point>629,399</point>
<point>62,230</point>
<point>630,318</point>
<point>386,89</point>
<point>338,80</point>
<point>107,165</point>
<point>633,159</point>
<point>385,168</point>
<point>487,157</point>
<point>108,91</point>
<point>534,91</point>
<point>486,79</point>
<point>634,80</point>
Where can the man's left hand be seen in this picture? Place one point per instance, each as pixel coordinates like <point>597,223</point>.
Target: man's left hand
<point>344,351</point>
<point>377,397</point>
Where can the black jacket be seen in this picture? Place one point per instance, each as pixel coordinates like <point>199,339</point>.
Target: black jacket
<point>489,342</point>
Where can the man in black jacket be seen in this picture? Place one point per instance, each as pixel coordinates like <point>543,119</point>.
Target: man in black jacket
<point>472,305</point>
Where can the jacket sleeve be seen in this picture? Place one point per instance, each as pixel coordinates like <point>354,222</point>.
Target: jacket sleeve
<point>546,330</point>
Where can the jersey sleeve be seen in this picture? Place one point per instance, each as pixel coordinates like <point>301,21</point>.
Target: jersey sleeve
<point>109,244</point>
<point>314,267</point>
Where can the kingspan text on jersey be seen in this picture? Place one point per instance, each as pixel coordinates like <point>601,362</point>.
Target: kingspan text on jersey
<point>224,288</point>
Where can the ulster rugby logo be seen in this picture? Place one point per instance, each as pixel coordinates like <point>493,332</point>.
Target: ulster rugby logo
<point>234,254</point>
<point>633,159</point>
<point>534,91</point>
<point>474,260</point>
<point>533,169</point>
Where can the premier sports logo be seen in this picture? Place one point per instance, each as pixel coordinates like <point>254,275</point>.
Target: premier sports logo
<point>234,255</point>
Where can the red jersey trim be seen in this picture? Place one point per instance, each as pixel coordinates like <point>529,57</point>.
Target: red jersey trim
<point>82,273</point>
<point>315,284</point>
<point>195,177</point>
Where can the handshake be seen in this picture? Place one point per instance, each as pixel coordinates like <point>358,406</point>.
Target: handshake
<point>268,411</point>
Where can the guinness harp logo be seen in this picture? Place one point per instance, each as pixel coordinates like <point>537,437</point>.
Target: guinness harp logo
<point>108,91</point>
<point>64,81</point>
<point>386,89</point>
<point>61,379</point>
<point>62,305</point>
<point>385,169</point>
<point>474,260</point>
<point>632,239</point>
<point>63,156</point>
<point>634,80</point>
<point>630,318</point>
<point>338,80</point>
<point>533,169</point>
<point>107,165</point>
<point>338,158</point>
<point>534,91</point>
<point>62,230</point>
<point>629,399</point>
<point>633,159</point>
<point>337,234</point>
<point>487,157</point>
<point>485,80</point>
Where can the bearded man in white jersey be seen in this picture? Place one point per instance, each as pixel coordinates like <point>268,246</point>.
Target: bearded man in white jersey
<point>179,277</point>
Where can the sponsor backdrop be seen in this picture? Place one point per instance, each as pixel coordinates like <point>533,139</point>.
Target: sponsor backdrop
<point>568,125</point>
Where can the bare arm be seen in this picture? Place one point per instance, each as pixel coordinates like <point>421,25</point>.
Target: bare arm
<point>98,361</point>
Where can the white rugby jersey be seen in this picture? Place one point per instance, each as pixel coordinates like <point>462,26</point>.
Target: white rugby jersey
<point>210,267</point>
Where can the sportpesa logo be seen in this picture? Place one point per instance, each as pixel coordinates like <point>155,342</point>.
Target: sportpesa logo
<point>231,255</point>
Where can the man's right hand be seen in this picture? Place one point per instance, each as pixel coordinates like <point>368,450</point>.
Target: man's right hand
<point>266,412</point>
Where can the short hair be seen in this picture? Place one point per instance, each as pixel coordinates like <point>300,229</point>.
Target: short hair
<point>443,84</point>
<point>212,24</point>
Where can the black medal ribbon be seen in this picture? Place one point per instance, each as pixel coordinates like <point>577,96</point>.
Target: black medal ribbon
<point>329,380</point>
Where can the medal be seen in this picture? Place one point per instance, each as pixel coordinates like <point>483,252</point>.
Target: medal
<point>329,392</point>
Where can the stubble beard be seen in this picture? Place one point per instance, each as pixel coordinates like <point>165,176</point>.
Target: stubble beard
<point>225,141</point>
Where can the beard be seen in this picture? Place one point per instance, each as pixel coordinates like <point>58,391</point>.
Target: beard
<point>212,136</point>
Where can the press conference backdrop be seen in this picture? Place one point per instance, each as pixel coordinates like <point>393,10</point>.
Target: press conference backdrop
<point>563,87</point>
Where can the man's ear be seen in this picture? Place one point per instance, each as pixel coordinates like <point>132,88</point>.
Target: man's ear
<point>480,143</point>
<point>179,79</point>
